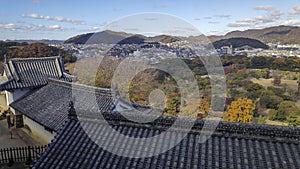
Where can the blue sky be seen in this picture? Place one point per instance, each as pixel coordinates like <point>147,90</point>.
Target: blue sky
<point>45,19</point>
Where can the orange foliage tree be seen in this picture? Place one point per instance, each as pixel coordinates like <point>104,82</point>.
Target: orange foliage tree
<point>241,110</point>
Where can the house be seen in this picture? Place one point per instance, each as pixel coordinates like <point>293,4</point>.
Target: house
<point>25,75</point>
<point>88,142</point>
<point>226,50</point>
<point>45,110</point>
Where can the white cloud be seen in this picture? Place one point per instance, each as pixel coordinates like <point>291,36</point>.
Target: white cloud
<point>223,16</point>
<point>93,29</point>
<point>213,22</point>
<point>295,11</point>
<point>272,16</point>
<point>31,27</point>
<point>56,18</point>
<point>7,26</point>
<point>265,8</point>
<point>242,23</point>
<point>291,22</point>
<point>208,17</point>
<point>42,27</point>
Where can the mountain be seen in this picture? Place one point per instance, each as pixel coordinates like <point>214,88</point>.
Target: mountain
<point>25,50</point>
<point>134,39</point>
<point>164,39</point>
<point>108,37</point>
<point>239,42</point>
<point>45,41</point>
<point>111,37</point>
<point>278,34</point>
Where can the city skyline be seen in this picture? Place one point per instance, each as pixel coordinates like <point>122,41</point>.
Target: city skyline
<point>40,19</point>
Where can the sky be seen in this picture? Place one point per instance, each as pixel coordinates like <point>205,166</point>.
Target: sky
<point>59,20</point>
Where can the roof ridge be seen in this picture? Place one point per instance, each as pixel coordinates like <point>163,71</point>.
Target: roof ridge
<point>34,58</point>
<point>78,86</point>
<point>233,129</point>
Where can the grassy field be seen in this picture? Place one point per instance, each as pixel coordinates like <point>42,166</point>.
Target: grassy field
<point>292,84</point>
<point>278,123</point>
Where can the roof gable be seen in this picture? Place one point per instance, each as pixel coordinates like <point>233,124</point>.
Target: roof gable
<point>33,72</point>
<point>49,105</point>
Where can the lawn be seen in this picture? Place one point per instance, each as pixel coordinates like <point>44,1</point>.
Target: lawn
<point>292,84</point>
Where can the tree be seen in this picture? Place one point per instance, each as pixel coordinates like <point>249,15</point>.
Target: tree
<point>293,119</point>
<point>204,106</point>
<point>285,108</point>
<point>241,110</point>
<point>277,80</point>
<point>173,107</point>
<point>272,114</point>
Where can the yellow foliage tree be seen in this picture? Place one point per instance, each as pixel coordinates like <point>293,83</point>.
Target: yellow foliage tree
<point>241,110</point>
<point>204,106</point>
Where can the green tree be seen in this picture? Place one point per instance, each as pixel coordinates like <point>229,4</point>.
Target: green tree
<point>293,119</point>
<point>272,114</point>
<point>285,108</point>
<point>173,105</point>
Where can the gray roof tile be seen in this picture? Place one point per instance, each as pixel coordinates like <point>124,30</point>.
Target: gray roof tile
<point>33,72</point>
<point>233,145</point>
<point>49,104</point>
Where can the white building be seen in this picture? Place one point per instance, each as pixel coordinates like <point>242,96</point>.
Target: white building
<point>45,111</point>
<point>28,74</point>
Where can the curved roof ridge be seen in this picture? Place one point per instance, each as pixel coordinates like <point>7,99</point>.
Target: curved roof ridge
<point>34,58</point>
<point>73,85</point>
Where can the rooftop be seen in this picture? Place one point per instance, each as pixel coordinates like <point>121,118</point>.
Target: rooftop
<point>233,145</point>
<point>33,72</point>
<point>49,104</point>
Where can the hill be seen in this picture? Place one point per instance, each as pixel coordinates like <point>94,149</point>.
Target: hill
<point>135,39</point>
<point>108,37</point>
<point>111,37</point>
<point>21,50</point>
<point>239,42</point>
<point>164,39</point>
<point>45,41</point>
<point>281,34</point>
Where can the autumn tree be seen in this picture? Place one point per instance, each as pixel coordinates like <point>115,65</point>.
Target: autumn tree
<point>204,106</point>
<point>173,107</point>
<point>241,110</point>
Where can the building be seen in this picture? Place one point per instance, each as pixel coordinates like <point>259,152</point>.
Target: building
<point>226,50</point>
<point>25,75</point>
<point>45,110</point>
<point>232,145</point>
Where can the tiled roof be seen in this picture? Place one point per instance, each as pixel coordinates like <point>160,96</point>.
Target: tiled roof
<point>33,72</point>
<point>233,145</point>
<point>49,104</point>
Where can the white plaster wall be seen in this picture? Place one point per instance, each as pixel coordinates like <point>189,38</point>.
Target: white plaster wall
<point>3,102</point>
<point>39,130</point>
<point>9,97</point>
<point>15,95</point>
